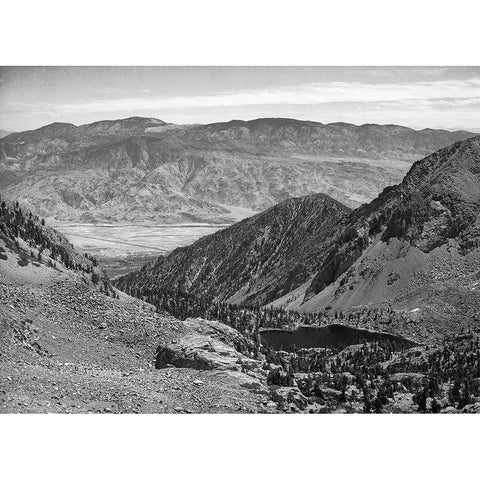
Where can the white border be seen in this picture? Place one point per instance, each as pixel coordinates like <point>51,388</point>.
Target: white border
<point>209,32</point>
<point>239,446</point>
<point>251,32</point>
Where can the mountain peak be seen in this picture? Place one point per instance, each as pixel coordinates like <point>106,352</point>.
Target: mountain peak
<point>416,233</point>
<point>129,122</point>
<point>254,260</point>
<point>56,128</point>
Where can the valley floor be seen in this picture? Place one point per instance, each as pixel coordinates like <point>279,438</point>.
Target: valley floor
<point>125,248</point>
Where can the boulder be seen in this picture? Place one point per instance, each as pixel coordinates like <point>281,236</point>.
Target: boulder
<point>472,408</point>
<point>209,345</point>
<point>199,352</point>
<point>236,379</point>
<point>353,393</point>
<point>327,393</point>
<point>414,379</point>
<point>219,331</point>
<point>449,410</point>
<point>287,396</point>
<point>403,403</point>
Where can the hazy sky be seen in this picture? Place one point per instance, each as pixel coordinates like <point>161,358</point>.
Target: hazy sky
<point>419,97</point>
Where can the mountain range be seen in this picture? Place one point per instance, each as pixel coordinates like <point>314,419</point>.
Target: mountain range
<point>143,170</point>
<point>416,248</point>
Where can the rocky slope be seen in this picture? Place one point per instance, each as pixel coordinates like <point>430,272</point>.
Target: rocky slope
<point>144,170</point>
<point>69,344</point>
<point>253,261</point>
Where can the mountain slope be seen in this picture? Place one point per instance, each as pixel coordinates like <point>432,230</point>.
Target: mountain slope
<point>33,244</point>
<point>255,260</point>
<point>415,247</point>
<point>143,170</point>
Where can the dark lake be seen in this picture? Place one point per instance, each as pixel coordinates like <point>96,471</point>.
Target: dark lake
<point>328,336</point>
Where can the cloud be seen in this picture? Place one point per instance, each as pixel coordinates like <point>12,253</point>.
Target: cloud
<point>388,72</point>
<point>450,103</point>
<point>454,92</point>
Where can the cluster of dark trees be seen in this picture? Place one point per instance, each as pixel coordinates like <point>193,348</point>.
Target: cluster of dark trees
<point>450,373</point>
<point>248,321</point>
<point>456,362</point>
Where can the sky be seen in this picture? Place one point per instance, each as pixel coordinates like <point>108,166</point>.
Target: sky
<point>417,97</point>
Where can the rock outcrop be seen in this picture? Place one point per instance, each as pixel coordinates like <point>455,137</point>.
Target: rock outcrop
<point>288,397</point>
<point>209,345</point>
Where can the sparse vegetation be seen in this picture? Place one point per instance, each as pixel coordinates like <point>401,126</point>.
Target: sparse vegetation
<point>50,246</point>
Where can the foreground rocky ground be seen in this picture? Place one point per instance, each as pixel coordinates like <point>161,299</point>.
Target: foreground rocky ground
<point>67,348</point>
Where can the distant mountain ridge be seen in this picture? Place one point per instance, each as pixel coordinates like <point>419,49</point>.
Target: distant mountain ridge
<point>130,126</point>
<point>143,170</point>
<point>369,140</point>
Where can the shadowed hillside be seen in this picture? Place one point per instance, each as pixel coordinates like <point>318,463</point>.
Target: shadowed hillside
<point>253,261</point>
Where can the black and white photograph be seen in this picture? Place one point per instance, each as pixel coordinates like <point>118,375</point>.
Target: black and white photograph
<point>160,255</point>
<point>262,240</point>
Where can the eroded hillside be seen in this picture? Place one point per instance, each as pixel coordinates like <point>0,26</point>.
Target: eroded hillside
<point>143,170</point>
